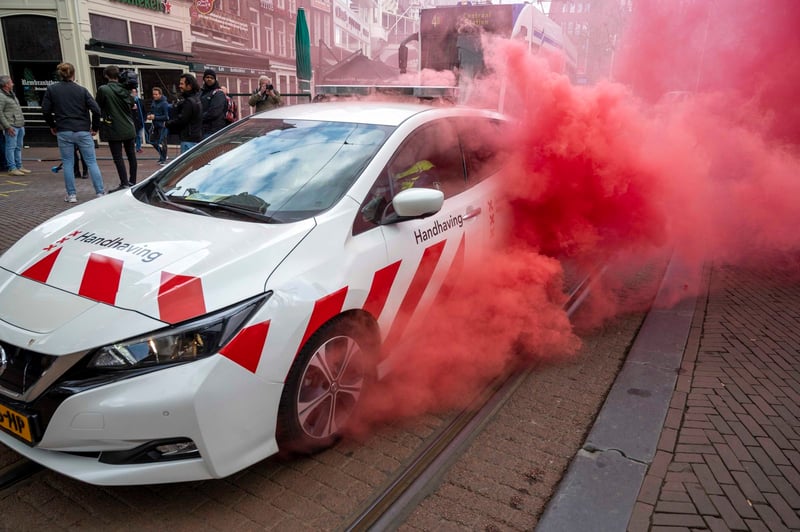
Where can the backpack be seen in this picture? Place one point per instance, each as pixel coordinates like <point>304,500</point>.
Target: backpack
<point>230,110</point>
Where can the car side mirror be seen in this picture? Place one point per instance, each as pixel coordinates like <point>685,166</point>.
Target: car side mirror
<point>413,203</point>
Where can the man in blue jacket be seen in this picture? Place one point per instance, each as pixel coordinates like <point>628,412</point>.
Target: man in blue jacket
<point>159,114</point>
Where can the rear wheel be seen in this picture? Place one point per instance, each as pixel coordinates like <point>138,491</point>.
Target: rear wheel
<point>325,384</point>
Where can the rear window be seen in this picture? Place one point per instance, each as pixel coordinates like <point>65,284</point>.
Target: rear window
<point>296,168</point>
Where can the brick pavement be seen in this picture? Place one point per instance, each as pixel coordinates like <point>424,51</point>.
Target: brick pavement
<point>729,454</point>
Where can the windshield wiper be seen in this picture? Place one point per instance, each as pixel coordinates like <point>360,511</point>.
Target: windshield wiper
<point>165,199</point>
<point>245,211</point>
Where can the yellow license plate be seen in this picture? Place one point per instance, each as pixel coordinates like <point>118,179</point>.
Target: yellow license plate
<point>15,423</point>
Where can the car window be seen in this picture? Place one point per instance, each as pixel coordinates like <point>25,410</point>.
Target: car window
<point>429,158</point>
<point>289,169</point>
<point>484,144</point>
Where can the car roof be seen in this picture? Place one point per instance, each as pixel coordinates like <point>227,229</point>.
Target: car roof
<point>380,113</point>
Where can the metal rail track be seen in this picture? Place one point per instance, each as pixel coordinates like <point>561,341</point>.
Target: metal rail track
<point>393,505</point>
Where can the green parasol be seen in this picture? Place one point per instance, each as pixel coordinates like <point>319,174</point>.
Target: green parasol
<point>303,50</point>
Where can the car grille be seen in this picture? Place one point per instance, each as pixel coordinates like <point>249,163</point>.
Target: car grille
<point>21,368</point>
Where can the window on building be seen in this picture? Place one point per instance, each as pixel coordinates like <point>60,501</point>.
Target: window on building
<point>269,35</point>
<point>579,9</point>
<point>281,4</point>
<point>109,29</point>
<point>292,52</point>
<point>233,7</point>
<point>169,39</point>
<point>281,38</point>
<point>326,29</point>
<point>570,27</point>
<point>292,6</point>
<point>142,34</point>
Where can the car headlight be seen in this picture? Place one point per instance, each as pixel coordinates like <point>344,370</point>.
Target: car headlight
<point>185,342</point>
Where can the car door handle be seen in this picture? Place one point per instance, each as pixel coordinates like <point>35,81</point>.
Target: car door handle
<point>472,213</point>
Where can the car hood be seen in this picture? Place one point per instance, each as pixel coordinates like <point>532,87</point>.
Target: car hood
<point>165,264</point>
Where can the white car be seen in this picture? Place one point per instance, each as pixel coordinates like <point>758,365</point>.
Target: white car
<point>237,302</point>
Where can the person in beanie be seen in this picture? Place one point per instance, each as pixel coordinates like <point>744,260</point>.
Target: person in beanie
<point>116,103</point>
<point>214,104</point>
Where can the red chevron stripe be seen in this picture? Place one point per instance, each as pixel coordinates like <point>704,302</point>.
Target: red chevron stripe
<point>324,309</point>
<point>245,348</point>
<point>101,278</point>
<point>379,291</point>
<point>180,297</point>
<point>40,271</point>
<point>427,265</point>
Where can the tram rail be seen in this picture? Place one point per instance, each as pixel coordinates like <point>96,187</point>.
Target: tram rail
<point>389,509</point>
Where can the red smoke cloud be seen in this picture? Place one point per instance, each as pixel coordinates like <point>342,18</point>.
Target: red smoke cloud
<point>615,170</point>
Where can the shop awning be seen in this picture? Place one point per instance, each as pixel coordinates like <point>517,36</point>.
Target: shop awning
<point>139,54</point>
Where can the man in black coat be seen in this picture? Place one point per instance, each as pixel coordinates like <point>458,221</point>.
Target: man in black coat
<point>188,121</point>
<point>214,104</point>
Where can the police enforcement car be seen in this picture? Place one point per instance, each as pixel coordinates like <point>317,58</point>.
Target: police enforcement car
<point>238,301</point>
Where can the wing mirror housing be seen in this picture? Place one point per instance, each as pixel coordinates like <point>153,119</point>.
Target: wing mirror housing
<point>414,203</point>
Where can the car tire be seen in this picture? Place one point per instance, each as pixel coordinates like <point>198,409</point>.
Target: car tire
<point>325,385</point>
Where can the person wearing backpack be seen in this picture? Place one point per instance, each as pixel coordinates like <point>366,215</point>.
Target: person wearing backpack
<point>231,111</point>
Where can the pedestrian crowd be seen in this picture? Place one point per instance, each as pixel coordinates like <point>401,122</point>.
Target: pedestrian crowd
<point>116,115</point>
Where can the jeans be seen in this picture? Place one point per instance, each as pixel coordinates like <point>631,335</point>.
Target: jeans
<point>67,142</point>
<point>159,141</point>
<point>130,152</point>
<point>14,145</point>
<point>186,145</point>
<point>139,135</point>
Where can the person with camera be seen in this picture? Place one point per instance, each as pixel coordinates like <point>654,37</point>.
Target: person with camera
<point>266,97</point>
<point>116,124</point>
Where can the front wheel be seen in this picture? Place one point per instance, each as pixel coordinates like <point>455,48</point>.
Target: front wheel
<point>325,385</point>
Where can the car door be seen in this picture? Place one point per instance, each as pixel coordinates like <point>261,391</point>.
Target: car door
<point>427,254</point>
<point>485,150</point>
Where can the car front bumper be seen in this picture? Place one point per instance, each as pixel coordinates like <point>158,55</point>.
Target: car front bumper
<point>228,412</point>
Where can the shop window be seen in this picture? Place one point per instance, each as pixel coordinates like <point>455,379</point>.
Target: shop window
<point>109,29</point>
<point>142,34</point>
<point>33,52</point>
<point>167,39</point>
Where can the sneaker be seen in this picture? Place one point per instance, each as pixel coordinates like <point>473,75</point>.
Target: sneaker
<point>101,194</point>
<point>162,163</point>
<point>55,169</point>
<point>71,198</point>
<point>24,170</point>
<point>139,150</point>
<point>15,172</point>
<point>121,187</point>
<point>84,176</point>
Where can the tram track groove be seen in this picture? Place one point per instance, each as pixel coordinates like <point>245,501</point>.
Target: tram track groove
<point>413,483</point>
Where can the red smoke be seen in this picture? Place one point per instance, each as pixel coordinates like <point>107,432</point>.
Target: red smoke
<point>615,170</point>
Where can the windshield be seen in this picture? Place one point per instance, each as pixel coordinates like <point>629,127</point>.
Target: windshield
<point>282,170</point>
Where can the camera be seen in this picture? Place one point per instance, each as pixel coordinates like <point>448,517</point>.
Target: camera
<point>129,79</point>
<point>270,87</point>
